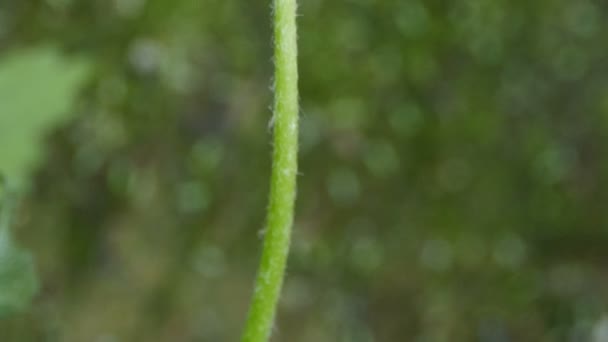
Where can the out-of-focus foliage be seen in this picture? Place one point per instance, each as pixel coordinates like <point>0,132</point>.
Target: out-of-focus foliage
<point>37,89</point>
<point>18,280</point>
<point>453,171</point>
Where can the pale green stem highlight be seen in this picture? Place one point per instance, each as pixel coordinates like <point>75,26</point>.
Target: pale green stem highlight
<point>283,179</point>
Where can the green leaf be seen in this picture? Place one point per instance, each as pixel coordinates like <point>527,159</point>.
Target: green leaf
<point>37,88</point>
<point>18,280</point>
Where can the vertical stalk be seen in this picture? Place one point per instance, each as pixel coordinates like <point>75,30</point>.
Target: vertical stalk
<point>283,179</point>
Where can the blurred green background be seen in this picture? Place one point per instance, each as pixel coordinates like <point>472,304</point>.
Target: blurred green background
<point>454,168</point>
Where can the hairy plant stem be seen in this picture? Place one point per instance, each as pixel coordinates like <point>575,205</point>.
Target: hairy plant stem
<point>283,179</point>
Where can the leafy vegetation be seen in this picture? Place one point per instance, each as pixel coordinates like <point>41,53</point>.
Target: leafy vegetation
<point>452,178</point>
<point>18,281</point>
<point>37,89</point>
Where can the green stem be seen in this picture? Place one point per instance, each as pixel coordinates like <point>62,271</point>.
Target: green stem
<point>283,179</point>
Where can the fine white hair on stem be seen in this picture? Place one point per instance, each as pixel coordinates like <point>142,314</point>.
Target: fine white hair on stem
<point>280,211</point>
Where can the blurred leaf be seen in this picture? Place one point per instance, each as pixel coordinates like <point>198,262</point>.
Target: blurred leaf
<point>37,87</point>
<point>18,280</point>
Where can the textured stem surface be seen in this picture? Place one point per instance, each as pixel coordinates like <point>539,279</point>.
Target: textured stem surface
<point>283,179</point>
